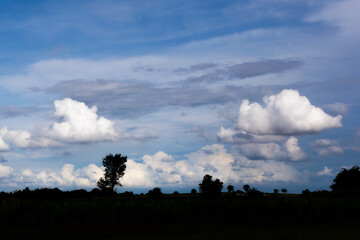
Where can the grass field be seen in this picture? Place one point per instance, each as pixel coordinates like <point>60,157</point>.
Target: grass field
<point>181,217</point>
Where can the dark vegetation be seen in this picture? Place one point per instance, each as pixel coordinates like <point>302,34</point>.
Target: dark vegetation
<point>207,214</point>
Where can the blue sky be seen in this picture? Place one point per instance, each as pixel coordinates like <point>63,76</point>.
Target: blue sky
<point>252,92</point>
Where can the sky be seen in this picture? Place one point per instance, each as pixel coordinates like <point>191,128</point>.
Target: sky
<point>262,92</point>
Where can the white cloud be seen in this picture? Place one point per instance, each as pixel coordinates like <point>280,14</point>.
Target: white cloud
<point>67,177</point>
<point>19,138</point>
<point>327,147</point>
<point>5,171</point>
<point>293,149</point>
<point>22,139</point>
<point>3,145</point>
<point>138,175</point>
<point>80,123</point>
<point>287,113</point>
<point>161,169</point>
<point>325,172</point>
<point>290,150</point>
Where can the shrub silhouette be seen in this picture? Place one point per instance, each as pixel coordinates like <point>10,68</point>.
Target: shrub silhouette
<point>193,191</point>
<point>210,188</point>
<point>347,182</point>
<point>284,190</point>
<point>114,170</point>
<point>276,191</point>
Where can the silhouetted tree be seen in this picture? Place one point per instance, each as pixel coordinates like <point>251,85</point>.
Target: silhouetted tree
<point>114,170</point>
<point>253,192</point>
<point>155,193</point>
<point>347,182</point>
<point>276,191</point>
<point>193,191</point>
<point>230,188</point>
<point>284,190</point>
<point>176,193</point>
<point>246,188</point>
<point>210,188</point>
<point>306,193</point>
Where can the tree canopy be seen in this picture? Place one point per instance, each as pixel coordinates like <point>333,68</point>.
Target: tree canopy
<point>347,182</point>
<point>114,170</point>
<point>210,188</point>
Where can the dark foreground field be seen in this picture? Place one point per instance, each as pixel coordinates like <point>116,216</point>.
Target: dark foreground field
<point>181,217</point>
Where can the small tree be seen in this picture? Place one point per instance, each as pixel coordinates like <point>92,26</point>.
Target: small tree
<point>246,188</point>
<point>193,191</point>
<point>210,188</point>
<point>276,191</point>
<point>230,188</point>
<point>284,190</point>
<point>114,170</point>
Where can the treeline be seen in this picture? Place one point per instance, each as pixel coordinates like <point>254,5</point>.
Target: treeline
<point>56,193</point>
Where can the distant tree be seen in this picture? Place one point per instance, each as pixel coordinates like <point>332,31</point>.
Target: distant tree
<point>230,188</point>
<point>193,191</point>
<point>246,188</point>
<point>276,191</point>
<point>176,193</point>
<point>114,170</point>
<point>127,194</point>
<point>347,182</point>
<point>284,190</point>
<point>305,193</point>
<point>253,192</point>
<point>210,188</point>
<point>155,193</point>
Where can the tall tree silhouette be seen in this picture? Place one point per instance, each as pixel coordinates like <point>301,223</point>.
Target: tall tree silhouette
<point>210,188</point>
<point>347,182</point>
<point>114,170</point>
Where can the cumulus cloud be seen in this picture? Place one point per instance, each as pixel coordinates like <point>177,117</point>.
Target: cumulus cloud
<point>66,177</point>
<point>161,169</point>
<point>325,172</point>
<point>293,150</point>
<point>5,171</point>
<point>23,139</point>
<point>286,113</point>
<point>289,151</point>
<point>327,147</point>
<point>77,123</point>
<point>80,123</point>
